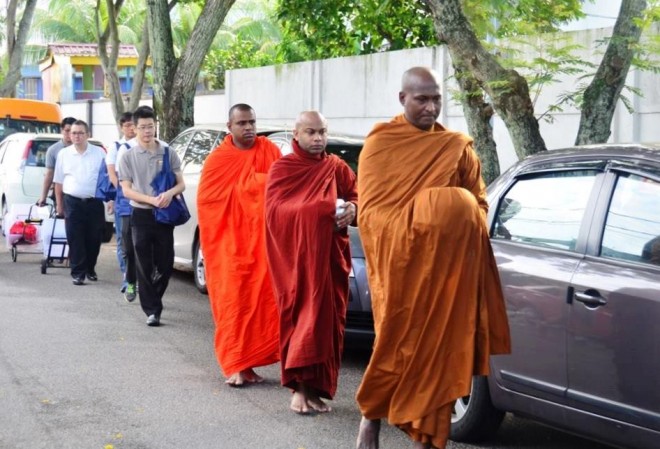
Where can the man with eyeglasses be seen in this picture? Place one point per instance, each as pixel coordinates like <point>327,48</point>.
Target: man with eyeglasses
<point>153,241</point>
<point>51,158</point>
<point>75,177</point>
<point>122,208</point>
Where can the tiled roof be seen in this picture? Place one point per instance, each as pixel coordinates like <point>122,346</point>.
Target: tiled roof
<point>125,50</point>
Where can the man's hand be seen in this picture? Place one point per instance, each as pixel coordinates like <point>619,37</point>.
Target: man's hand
<point>346,217</point>
<point>110,207</point>
<point>41,202</point>
<point>163,200</point>
<point>60,211</point>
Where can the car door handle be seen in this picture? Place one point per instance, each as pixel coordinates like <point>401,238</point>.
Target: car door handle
<point>591,298</point>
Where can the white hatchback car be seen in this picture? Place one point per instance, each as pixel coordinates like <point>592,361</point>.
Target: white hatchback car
<point>23,168</point>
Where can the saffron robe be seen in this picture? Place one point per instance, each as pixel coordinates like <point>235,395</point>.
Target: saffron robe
<point>309,262</point>
<point>436,296</point>
<point>230,207</point>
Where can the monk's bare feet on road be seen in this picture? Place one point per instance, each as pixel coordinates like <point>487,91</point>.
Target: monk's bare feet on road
<point>318,405</point>
<point>241,378</point>
<point>252,377</point>
<point>299,403</point>
<point>368,434</point>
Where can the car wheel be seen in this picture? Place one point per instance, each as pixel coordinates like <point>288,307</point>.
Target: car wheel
<point>108,231</point>
<point>474,417</point>
<point>198,268</point>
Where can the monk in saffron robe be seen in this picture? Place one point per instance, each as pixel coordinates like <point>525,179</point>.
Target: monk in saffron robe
<point>437,301</point>
<point>230,205</point>
<point>309,257</point>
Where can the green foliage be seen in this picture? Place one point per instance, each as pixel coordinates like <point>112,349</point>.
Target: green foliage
<point>315,29</point>
<point>239,54</point>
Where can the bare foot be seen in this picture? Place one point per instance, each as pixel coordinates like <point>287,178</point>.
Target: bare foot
<point>299,403</point>
<point>418,445</point>
<point>250,376</point>
<point>318,405</point>
<point>247,376</point>
<point>368,434</point>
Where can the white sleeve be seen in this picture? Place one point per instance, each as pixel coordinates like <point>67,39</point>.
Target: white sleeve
<point>111,157</point>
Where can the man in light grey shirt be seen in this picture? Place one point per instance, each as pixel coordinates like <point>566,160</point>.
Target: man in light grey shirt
<point>51,157</point>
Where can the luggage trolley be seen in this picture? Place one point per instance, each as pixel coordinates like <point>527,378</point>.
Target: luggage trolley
<point>22,229</point>
<point>55,245</point>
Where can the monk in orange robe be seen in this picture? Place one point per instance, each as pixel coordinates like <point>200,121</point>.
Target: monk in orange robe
<point>437,301</point>
<point>309,256</point>
<point>230,206</point>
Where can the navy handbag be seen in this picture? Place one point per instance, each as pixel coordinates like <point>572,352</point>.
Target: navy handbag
<point>105,190</point>
<point>177,212</point>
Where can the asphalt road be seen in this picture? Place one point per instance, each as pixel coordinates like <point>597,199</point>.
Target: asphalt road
<point>79,369</point>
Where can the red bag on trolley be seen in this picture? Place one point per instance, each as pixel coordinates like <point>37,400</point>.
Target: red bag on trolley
<point>27,230</point>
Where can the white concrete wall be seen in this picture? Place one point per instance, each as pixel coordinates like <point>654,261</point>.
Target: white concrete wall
<point>356,92</point>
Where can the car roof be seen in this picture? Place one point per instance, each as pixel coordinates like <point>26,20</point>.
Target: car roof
<point>635,151</point>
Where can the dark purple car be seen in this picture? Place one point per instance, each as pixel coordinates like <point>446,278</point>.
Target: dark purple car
<point>576,235</point>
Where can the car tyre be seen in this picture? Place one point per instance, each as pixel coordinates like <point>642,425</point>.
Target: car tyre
<point>474,417</point>
<point>108,231</point>
<point>198,268</point>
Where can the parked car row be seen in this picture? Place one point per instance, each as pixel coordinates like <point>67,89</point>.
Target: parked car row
<point>576,236</point>
<point>23,168</point>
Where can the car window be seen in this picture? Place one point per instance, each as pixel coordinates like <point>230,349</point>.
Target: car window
<point>283,142</point>
<point>3,148</point>
<point>37,155</point>
<point>349,153</point>
<point>180,143</point>
<point>201,145</point>
<point>545,210</point>
<point>632,227</point>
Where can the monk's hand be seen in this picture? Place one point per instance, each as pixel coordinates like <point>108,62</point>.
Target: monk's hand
<point>347,216</point>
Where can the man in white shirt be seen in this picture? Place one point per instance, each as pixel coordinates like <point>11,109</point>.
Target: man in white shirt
<point>76,175</point>
<point>122,208</point>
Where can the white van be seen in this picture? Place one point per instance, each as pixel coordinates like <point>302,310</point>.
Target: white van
<point>23,168</point>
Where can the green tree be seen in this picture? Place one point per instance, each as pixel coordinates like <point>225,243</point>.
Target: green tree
<point>16,38</point>
<point>175,78</point>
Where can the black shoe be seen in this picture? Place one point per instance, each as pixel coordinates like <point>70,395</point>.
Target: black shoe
<point>79,280</point>
<point>92,277</point>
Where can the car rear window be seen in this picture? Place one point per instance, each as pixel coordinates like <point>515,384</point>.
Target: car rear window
<point>37,154</point>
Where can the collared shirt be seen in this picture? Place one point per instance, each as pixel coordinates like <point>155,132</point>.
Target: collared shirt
<point>79,172</point>
<point>52,152</point>
<point>111,157</point>
<point>140,167</point>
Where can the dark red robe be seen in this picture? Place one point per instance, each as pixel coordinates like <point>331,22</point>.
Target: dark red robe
<point>309,261</point>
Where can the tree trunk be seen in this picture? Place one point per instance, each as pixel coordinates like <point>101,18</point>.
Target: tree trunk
<point>16,44</point>
<point>109,62</point>
<point>478,114</point>
<point>601,97</point>
<point>507,89</point>
<point>140,69</point>
<point>175,81</point>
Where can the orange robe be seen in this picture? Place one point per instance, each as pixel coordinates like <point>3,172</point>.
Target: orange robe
<point>309,262</point>
<point>436,296</point>
<point>230,207</point>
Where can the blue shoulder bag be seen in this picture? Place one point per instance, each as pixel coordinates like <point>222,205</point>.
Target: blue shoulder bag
<point>105,190</point>
<point>177,212</point>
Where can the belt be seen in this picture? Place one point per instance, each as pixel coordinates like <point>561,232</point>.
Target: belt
<point>84,200</point>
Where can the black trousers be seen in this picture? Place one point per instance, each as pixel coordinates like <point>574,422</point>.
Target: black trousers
<point>129,251</point>
<point>154,257</point>
<point>84,223</point>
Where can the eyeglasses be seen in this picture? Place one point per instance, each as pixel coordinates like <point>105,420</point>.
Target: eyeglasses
<point>145,127</point>
<point>78,133</point>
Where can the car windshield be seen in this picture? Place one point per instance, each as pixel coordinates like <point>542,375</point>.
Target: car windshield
<point>10,126</point>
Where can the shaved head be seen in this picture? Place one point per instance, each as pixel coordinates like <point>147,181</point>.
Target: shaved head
<point>306,117</point>
<point>311,132</point>
<point>420,97</point>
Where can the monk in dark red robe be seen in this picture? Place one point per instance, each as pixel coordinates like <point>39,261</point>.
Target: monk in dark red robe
<point>437,301</point>
<point>230,206</point>
<point>309,259</point>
